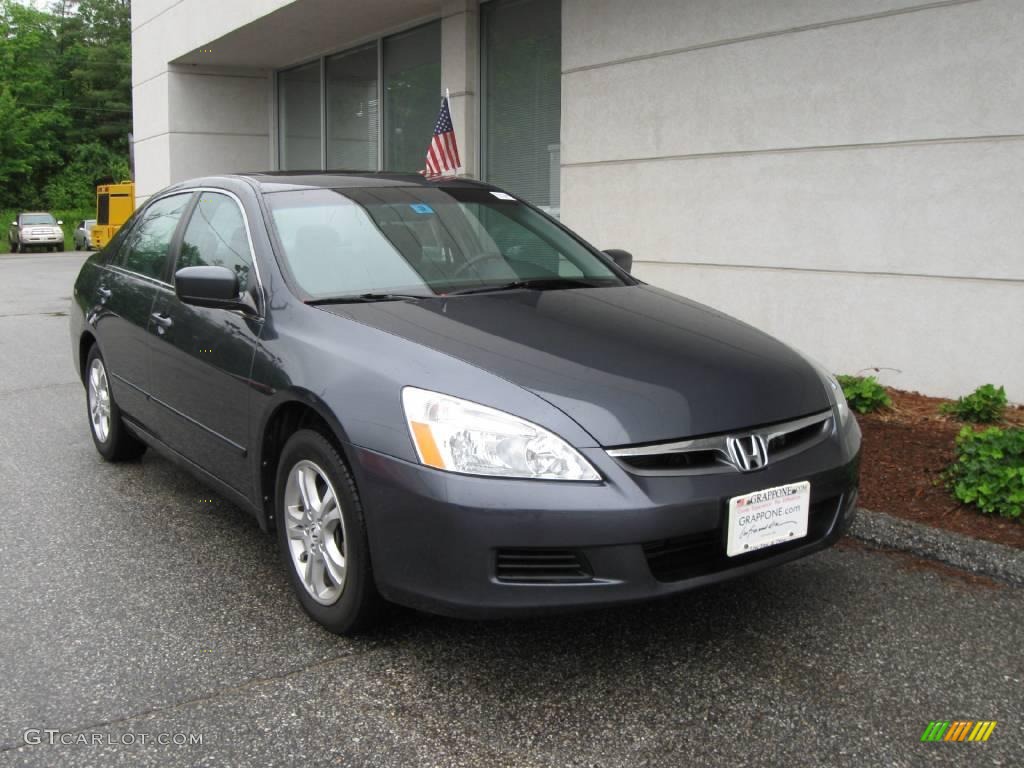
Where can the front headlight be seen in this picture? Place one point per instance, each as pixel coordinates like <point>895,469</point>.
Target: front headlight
<point>460,436</point>
<point>835,391</point>
<point>838,397</point>
<point>841,404</point>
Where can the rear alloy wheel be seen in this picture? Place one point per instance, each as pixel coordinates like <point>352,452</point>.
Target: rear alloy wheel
<point>322,535</point>
<point>112,439</point>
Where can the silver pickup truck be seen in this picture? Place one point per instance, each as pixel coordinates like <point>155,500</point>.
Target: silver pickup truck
<point>35,230</point>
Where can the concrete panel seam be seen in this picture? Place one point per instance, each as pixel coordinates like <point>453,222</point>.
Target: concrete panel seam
<point>844,272</point>
<point>156,16</point>
<point>793,150</point>
<point>766,35</point>
<point>149,79</point>
<point>137,141</point>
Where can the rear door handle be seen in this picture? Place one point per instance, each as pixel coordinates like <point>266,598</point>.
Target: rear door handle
<point>163,322</point>
<point>105,293</point>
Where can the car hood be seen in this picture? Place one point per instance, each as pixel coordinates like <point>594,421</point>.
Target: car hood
<point>630,364</point>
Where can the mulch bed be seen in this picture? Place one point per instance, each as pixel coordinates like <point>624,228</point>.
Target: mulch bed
<point>906,449</point>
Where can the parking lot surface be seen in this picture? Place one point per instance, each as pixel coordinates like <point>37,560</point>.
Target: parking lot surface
<point>137,607</point>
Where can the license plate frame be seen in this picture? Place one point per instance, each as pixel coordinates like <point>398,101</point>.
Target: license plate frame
<point>767,518</point>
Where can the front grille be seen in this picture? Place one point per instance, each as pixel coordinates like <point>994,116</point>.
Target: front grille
<point>675,462</point>
<point>711,454</point>
<point>697,554</point>
<point>542,566</point>
<point>790,442</point>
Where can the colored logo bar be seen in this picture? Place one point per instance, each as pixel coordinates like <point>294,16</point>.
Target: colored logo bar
<point>958,730</point>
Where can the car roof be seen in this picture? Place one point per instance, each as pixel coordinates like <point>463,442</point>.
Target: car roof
<point>274,181</point>
<point>35,213</point>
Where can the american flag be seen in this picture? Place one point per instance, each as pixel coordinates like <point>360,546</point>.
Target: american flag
<point>443,153</point>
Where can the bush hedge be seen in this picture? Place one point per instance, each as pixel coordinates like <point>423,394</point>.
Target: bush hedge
<point>864,393</point>
<point>989,470</point>
<point>984,405</point>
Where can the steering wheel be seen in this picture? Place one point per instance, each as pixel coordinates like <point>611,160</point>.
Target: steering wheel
<point>482,258</point>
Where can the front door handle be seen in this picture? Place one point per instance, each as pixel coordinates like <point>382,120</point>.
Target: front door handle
<point>163,322</point>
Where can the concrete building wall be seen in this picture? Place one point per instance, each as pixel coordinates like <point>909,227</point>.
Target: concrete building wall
<point>192,119</point>
<point>844,175</point>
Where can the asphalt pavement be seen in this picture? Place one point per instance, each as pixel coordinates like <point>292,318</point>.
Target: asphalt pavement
<point>136,607</point>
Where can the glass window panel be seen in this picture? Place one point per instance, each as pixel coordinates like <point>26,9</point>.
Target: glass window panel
<point>215,237</point>
<point>424,240</point>
<point>299,117</point>
<point>522,54</point>
<point>146,251</point>
<point>353,119</point>
<point>412,95</point>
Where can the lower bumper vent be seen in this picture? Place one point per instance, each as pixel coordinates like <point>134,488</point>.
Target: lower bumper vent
<point>542,566</point>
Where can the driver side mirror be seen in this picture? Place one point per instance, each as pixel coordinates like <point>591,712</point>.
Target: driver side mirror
<point>623,259</point>
<point>60,223</point>
<point>214,287</point>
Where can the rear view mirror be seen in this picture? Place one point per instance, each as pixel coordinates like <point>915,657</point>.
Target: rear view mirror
<point>623,259</point>
<point>215,287</point>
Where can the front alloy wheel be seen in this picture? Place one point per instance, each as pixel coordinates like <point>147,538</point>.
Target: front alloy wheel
<point>322,534</point>
<point>316,532</point>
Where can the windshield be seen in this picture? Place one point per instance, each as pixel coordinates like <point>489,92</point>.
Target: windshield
<point>424,241</point>
<point>37,218</point>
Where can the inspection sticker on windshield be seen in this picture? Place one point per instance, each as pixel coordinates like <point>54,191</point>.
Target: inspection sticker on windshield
<point>503,196</point>
<point>421,208</point>
<point>765,518</point>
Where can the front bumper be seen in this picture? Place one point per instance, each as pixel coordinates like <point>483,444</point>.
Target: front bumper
<point>56,239</point>
<point>435,537</point>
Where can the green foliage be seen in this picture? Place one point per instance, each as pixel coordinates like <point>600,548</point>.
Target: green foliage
<point>983,406</point>
<point>989,470</point>
<point>864,393</point>
<point>65,91</point>
<point>75,182</point>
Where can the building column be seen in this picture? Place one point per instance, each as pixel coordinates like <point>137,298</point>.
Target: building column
<point>460,65</point>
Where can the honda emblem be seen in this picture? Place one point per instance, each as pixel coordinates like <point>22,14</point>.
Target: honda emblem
<point>748,452</point>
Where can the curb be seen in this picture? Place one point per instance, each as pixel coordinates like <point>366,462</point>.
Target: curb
<point>975,555</point>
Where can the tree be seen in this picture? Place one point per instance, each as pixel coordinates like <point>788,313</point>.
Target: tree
<point>65,100</point>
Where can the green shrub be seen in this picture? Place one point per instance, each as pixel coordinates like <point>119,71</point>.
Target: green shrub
<point>989,470</point>
<point>983,406</point>
<point>864,393</point>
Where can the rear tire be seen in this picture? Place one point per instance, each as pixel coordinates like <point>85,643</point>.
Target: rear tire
<point>112,439</point>
<point>321,534</point>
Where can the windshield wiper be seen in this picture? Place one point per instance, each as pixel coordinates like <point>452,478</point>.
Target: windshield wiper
<point>538,284</point>
<point>364,298</point>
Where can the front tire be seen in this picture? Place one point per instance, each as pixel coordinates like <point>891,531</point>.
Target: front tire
<point>14,247</point>
<point>109,434</point>
<point>321,534</point>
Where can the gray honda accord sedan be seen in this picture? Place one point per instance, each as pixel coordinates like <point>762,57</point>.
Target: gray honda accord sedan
<point>435,394</point>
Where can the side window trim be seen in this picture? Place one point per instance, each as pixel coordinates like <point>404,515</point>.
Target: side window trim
<point>254,288</point>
